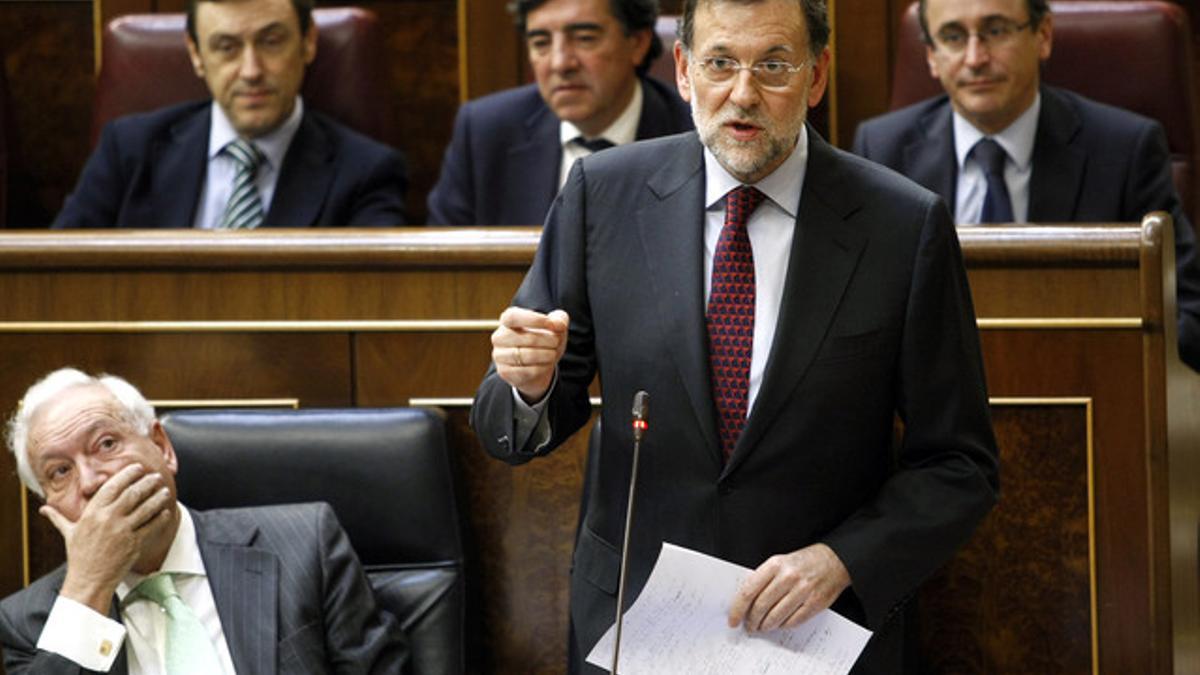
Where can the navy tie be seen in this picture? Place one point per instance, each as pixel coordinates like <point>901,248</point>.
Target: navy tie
<point>594,145</point>
<point>730,316</point>
<point>997,206</point>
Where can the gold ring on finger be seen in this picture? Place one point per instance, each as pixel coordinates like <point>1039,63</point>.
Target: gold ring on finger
<point>520,361</point>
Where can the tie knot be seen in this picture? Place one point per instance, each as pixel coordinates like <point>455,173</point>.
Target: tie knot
<point>593,145</point>
<point>990,156</point>
<point>740,202</point>
<point>245,153</point>
<point>157,588</point>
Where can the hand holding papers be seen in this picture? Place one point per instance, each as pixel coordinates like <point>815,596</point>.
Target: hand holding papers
<point>678,625</point>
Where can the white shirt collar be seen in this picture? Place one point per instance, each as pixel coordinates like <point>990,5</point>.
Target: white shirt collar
<point>782,186</point>
<point>273,145</point>
<point>1016,139</point>
<point>182,558</point>
<point>623,129</point>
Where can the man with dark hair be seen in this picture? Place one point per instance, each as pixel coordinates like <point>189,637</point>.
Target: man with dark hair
<point>151,586</point>
<point>253,156</point>
<point>511,151</point>
<point>782,302</point>
<point>999,146</point>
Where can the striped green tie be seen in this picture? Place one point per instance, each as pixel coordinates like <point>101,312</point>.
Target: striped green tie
<point>189,651</point>
<point>245,209</point>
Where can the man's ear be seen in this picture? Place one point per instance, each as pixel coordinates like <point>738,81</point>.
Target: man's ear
<point>194,55</point>
<point>310,43</point>
<point>820,77</point>
<point>159,437</point>
<point>683,81</point>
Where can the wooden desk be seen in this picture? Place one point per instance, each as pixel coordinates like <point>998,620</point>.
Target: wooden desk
<point>1087,565</point>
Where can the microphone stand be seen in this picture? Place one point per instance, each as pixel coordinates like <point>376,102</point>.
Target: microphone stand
<point>641,404</point>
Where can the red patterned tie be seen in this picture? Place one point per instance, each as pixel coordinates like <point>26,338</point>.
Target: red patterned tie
<point>730,316</point>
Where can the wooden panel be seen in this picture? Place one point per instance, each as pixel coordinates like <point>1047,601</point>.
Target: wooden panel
<point>1018,597</point>
<point>382,306</point>
<point>48,65</point>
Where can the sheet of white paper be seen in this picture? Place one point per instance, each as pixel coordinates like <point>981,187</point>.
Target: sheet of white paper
<point>678,625</point>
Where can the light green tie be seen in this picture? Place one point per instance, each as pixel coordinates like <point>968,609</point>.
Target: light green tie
<point>189,650</point>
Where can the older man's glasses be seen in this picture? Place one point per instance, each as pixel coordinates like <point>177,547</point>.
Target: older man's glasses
<point>772,73</point>
<point>995,32</point>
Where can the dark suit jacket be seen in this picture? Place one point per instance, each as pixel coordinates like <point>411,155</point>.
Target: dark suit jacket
<point>289,590</point>
<point>502,165</point>
<point>148,169</point>
<point>1091,163</point>
<point>876,320</point>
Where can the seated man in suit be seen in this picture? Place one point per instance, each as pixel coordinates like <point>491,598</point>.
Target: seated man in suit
<point>252,590</point>
<point>1000,146</point>
<point>253,155</point>
<point>511,151</point>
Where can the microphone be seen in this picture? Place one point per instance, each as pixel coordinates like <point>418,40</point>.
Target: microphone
<point>641,408</point>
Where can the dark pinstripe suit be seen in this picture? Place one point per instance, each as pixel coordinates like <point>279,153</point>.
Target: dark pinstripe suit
<point>290,592</point>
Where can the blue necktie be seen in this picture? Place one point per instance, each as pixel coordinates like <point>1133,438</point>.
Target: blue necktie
<point>997,206</point>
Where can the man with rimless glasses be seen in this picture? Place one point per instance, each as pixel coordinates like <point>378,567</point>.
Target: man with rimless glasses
<point>781,301</point>
<point>1000,146</point>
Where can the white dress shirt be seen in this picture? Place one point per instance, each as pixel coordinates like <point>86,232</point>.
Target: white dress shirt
<point>93,640</point>
<point>1017,140</point>
<point>623,130</point>
<point>218,182</point>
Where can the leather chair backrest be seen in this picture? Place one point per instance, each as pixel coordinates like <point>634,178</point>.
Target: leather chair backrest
<point>144,65</point>
<point>386,472</point>
<point>1133,54</point>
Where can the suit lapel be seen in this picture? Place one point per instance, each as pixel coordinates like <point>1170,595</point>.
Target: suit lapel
<point>245,584</point>
<point>930,160</point>
<point>525,195</point>
<point>824,257</point>
<point>182,161</point>
<point>673,220</point>
<point>304,178</point>
<point>1057,166</point>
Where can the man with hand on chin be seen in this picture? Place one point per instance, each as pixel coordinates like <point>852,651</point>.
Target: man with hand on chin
<point>150,586</point>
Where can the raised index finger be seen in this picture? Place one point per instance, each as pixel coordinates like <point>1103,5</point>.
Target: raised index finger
<point>525,320</point>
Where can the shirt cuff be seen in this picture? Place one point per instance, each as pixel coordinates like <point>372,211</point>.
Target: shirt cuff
<point>531,425</point>
<point>81,634</point>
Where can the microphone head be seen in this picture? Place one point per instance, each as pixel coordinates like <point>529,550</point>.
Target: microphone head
<point>641,408</point>
<point>641,405</point>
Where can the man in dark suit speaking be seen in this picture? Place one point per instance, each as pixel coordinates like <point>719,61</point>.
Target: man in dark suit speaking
<point>511,151</point>
<point>253,156</point>
<point>150,586</point>
<point>781,302</point>
<point>1000,146</point>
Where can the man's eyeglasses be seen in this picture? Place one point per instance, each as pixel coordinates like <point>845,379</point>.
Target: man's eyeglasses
<point>773,73</point>
<point>995,32</point>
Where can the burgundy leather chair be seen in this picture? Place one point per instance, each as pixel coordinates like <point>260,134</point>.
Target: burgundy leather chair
<point>1133,54</point>
<point>145,65</point>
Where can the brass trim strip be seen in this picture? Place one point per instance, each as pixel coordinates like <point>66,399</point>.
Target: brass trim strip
<point>463,402</point>
<point>181,403</point>
<point>1081,323</point>
<point>457,325</point>
<point>1087,403</point>
<point>396,326</point>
